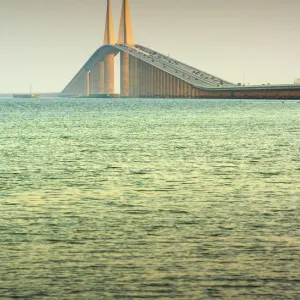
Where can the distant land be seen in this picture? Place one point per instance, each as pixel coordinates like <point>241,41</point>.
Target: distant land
<point>41,95</point>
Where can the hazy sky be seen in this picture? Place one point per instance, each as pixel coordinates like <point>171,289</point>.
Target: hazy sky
<point>45,42</point>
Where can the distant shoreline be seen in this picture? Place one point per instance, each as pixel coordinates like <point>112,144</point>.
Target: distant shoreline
<point>41,95</point>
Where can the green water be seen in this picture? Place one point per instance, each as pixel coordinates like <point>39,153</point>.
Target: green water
<point>149,199</point>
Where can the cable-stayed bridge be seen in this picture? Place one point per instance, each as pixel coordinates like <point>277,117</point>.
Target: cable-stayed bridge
<point>146,73</point>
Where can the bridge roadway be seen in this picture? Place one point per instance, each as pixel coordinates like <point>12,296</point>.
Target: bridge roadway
<point>197,78</point>
<point>98,55</point>
<point>169,65</point>
<point>202,76</point>
<point>178,69</point>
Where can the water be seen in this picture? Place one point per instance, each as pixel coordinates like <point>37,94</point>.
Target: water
<point>149,199</point>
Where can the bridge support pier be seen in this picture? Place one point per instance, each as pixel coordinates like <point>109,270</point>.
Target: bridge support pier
<point>185,90</point>
<point>170,86</point>
<point>178,87</point>
<point>109,66</point>
<point>159,83</point>
<point>151,81</point>
<point>87,83</point>
<point>193,93</point>
<point>155,82</point>
<point>181,91</point>
<point>189,90</point>
<point>124,74</point>
<point>165,84</point>
<point>131,77</point>
<point>101,77</point>
<point>148,84</point>
<point>136,77</point>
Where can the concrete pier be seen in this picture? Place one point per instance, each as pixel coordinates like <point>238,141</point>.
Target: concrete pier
<point>88,73</point>
<point>125,78</point>
<point>101,78</point>
<point>109,68</point>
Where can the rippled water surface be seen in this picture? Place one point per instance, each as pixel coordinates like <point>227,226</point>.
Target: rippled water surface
<point>149,199</point>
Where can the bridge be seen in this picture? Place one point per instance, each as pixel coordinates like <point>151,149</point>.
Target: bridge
<point>146,73</point>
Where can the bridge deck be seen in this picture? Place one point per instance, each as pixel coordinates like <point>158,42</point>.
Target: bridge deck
<point>197,78</point>
<point>178,69</point>
<point>203,77</point>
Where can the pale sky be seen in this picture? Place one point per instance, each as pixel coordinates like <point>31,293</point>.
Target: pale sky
<point>45,42</point>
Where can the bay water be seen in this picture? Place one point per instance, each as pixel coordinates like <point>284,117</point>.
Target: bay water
<point>149,199</point>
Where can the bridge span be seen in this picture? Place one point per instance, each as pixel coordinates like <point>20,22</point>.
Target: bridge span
<point>146,73</point>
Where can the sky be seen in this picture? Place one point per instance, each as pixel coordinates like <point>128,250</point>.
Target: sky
<point>46,42</point>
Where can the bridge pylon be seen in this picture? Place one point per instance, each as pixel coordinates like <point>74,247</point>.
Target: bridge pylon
<point>109,60</point>
<point>125,32</point>
<point>109,34</point>
<point>125,38</point>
